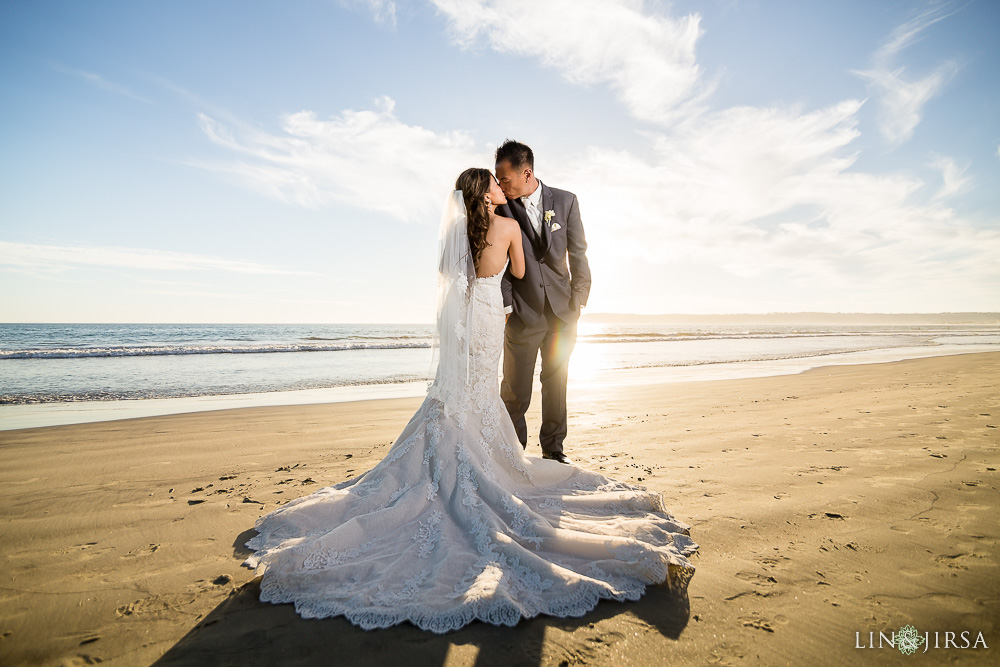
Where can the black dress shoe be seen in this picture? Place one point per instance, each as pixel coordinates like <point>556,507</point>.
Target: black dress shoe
<point>557,456</point>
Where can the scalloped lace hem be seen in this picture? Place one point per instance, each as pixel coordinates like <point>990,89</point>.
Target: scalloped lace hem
<point>500,612</point>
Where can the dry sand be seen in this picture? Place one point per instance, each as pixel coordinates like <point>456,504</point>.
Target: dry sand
<point>843,500</point>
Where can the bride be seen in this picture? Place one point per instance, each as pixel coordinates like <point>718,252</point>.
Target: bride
<point>456,523</point>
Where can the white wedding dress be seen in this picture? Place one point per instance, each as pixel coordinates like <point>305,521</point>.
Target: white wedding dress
<point>457,524</point>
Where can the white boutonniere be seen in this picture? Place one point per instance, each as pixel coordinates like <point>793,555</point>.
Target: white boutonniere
<point>549,215</point>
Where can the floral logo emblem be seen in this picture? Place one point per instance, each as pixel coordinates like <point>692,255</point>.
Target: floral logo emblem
<point>908,640</point>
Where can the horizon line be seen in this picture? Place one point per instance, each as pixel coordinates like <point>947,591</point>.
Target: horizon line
<point>589,316</point>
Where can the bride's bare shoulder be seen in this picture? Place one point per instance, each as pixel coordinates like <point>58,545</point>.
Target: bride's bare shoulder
<point>506,224</point>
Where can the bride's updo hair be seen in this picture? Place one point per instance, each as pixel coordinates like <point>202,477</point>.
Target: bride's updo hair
<point>474,184</point>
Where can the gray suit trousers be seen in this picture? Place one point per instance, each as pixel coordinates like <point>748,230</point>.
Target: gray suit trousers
<point>555,338</point>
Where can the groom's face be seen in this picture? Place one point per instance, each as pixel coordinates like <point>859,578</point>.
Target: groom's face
<point>513,181</point>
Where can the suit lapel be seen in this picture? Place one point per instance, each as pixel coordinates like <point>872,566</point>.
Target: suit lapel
<point>545,202</point>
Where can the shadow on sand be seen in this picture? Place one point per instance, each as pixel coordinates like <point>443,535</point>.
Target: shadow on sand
<point>245,631</point>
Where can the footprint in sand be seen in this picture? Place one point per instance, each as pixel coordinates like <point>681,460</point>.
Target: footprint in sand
<point>592,648</point>
<point>773,560</point>
<point>726,654</point>
<point>140,607</point>
<point>84,549</point>
<point>756,578</point>
<point>146,550</point>
<point>759,622</point>
<point>764,584</point>
<point>956,561</point>
<point>204,585</point>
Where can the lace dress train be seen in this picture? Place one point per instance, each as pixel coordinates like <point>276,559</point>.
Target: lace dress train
<point>457,524</point>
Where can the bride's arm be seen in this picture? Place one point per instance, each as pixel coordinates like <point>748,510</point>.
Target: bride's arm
<point>516,251</point>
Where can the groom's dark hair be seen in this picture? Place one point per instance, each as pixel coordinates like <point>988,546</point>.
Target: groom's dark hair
<point>516,153</point>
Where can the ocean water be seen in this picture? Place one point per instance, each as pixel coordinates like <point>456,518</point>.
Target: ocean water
<point>75,364</point>
<point>45,363</point>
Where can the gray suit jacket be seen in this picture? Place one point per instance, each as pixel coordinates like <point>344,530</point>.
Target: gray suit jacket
<point>546,273</point>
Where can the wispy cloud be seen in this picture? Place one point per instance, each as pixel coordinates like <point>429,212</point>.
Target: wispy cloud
<point>773,195</point>
<point>910,31</point>
<point>953,179</point>
<point>647,58</point>
<point>732,198</point>
<point>196,100</point>
<point>747,193</point>
<point>60,258</point>
<point>901,99</point>
<point>384,11</point>
<point>100,82</point>
<point>365,159</point>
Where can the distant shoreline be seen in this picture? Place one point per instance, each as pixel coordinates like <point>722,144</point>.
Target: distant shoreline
<point>804,317</point>
<point>812,318</point>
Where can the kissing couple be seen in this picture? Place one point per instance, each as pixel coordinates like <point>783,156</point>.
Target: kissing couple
<point>456,523</point>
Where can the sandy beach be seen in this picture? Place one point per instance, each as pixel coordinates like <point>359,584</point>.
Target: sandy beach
<point>827,505</point>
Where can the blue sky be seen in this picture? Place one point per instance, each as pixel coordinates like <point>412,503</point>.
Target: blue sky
<point>287,162</point>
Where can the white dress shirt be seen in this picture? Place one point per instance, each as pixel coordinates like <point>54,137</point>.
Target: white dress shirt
<point>532,204</point>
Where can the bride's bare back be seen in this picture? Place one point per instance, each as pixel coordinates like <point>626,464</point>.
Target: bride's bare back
<point>504,239</point>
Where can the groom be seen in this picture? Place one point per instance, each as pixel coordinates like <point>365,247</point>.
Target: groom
<point>543,306</point>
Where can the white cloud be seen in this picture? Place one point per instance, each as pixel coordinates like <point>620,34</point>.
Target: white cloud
<point>901,100</point>
<point>648,59</point>
<point>366,159</point>
<point>953,178</point>
<point>770,198</point>
<point>745,195</point>
<point>739,209</point>
<point>910,31</point>
<point>59,258</point>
